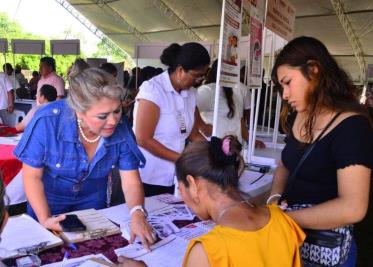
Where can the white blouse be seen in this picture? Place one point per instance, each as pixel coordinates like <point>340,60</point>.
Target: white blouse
<point>205,103</point>
<point>175,124</point>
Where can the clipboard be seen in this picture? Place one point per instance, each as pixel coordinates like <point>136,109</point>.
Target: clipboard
<point>97,226</point>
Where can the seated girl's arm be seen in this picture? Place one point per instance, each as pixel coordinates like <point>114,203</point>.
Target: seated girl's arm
<point>349,207</point>
<point>146,122</point>
<point>34,190</point>
<point>197,257</point>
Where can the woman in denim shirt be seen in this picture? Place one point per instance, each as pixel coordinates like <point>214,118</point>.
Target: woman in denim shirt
<point>71,146</point>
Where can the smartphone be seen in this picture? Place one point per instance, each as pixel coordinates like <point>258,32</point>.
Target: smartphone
<point>72,224</point>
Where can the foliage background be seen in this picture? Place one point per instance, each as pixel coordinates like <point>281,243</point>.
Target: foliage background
<point>12,30</point>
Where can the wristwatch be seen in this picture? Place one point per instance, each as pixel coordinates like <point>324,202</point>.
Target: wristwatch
<point>140,208</point>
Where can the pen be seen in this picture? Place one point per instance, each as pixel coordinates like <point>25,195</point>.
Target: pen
<point>69,244</point>
<point>73,246</point>
<point>66,255</point>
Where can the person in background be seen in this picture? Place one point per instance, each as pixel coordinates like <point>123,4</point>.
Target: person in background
<point>158,71</point>
<point>244,235</point>
<point>331,188</point>
<point>135,80</point>
<point>164,114</point>
<point>33,84</point>
<point>231,107</point>
<point>126,78</point>
<point>109,68</point>
<point>6,95</point>
<point>8,69</point>
<point>78,66</point>
<point>70,147</point>
<point>20,77</point>
<point>49,76</point>
<point>47,94</point>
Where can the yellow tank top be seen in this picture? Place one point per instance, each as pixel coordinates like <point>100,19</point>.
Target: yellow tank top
<point>276,244</point>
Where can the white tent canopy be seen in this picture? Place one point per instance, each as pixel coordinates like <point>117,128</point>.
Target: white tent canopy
<point>128,22</point>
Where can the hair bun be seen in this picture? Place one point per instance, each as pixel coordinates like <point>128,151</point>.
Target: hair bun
<point>169,55</point>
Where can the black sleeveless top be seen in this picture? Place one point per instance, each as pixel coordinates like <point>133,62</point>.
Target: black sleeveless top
<point>349,143</point>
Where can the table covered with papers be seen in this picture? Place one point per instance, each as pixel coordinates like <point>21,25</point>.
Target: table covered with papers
<point>172,220</point>
<point>108,230</point>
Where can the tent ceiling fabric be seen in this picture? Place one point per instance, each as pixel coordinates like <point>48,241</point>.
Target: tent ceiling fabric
<point>127,22</point>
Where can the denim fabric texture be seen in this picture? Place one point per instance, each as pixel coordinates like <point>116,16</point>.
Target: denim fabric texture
<point>51,141</point>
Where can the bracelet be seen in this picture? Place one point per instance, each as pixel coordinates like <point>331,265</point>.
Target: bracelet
<point>271,197</point>
<point>140,208</point>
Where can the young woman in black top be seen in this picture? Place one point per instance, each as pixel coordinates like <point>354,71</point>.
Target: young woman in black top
<point>332,184</point>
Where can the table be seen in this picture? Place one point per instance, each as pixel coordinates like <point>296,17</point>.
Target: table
<point>105,245</point>
<point>10,166</point>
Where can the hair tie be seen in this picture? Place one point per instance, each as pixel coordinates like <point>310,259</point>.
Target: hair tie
<point>226,146</point>
<point>218,152</point>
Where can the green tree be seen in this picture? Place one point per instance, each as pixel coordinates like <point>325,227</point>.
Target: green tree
<point>107,49</point>
<point>12,30</point>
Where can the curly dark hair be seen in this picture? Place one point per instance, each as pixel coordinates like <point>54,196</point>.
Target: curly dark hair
<point>334,89</point>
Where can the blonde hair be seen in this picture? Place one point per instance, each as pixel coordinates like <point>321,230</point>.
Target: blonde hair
<point>89,86</point>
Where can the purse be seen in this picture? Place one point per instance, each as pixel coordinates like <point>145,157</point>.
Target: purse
<point>328,248</point>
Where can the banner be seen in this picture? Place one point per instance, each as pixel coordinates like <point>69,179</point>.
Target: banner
<point>230,62</point>
<point>256,50</point>
<point>281,18</point>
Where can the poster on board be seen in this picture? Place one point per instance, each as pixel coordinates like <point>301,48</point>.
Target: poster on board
<point>281,18</point>
<point>230,63</point>
<point>256,50</point>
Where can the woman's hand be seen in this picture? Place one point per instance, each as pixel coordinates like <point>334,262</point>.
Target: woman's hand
<point>126,262</point>
<point>141,228</point>
<point>53,223</point>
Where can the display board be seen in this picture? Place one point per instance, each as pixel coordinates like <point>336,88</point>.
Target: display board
<point>30,47</point>
<point>65,47</point>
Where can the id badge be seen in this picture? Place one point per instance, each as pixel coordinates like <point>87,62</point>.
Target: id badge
<point>181,122</point>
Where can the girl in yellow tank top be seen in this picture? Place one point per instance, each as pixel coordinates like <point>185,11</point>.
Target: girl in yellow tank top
<point>245,235</point>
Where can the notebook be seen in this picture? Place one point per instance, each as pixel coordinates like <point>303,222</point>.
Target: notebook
<point>97,226</point>
<point>23,235</point>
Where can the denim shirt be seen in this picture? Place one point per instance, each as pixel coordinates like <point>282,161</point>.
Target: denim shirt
<point>51,142</point>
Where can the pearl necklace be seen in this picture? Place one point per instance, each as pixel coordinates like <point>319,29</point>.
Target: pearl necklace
<point>90,141</point>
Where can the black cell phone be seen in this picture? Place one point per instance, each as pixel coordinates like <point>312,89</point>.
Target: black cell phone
<point>72,224</point>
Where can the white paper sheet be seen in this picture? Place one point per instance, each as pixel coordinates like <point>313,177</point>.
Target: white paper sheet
<point>77,262</point>
<point>170,254</point>
<point>35,234</point>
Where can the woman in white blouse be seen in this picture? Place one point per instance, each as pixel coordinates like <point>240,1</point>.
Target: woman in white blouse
<point>231,106</point>
<point>164,114</point>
